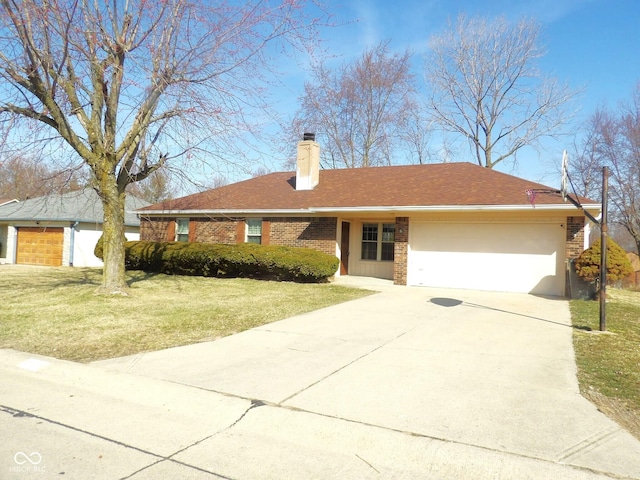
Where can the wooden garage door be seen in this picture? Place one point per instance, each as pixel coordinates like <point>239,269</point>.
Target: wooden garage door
<point>40,246</point>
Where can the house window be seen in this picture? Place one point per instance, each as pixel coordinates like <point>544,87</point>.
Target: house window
<point>369,241</point>
<point>378,241</point>
<point>388,240</point>
<point>182,230</point>
<point>254,230</point>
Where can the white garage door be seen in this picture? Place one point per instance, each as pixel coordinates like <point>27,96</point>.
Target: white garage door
<point>526,258</point>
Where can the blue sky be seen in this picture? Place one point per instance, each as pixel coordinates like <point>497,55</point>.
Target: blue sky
<point>593,45</point>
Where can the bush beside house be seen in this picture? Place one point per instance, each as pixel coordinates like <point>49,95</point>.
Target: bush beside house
<point>240,260</point>
<point>618,264</point>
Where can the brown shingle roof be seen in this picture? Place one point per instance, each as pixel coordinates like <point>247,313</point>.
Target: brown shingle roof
<point>445,184</point>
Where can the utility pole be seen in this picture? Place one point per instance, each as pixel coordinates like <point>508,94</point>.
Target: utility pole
<point>603,250</point>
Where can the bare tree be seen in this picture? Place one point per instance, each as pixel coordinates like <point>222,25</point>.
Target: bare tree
<point>586,165</point>
<point>613,140</point>
<point>360,107</point>
<point>23,178</point>
<point>128,86</point>
<point>485,86</point>
<point>153,189</point>
<point>416,135</point>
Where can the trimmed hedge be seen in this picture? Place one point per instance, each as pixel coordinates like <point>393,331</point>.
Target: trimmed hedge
<point>241,260</point>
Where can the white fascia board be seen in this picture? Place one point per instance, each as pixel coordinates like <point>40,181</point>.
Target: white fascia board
<point>455,208</point>
<point>372,209</point>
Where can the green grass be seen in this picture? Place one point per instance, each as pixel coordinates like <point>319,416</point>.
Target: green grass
<point>56,312</point>
<point>609,363</point>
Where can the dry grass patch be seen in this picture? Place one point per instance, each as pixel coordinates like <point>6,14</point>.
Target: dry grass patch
<point>609,363</point>
<point>55,311</point>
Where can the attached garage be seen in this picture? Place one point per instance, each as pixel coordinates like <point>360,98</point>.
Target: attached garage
<point>509,257</point>
<point>40,246</point>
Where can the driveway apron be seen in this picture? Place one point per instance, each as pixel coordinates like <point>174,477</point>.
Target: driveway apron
<point>483,377</point>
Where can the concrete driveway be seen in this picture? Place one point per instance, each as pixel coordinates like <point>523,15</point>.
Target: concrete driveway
<point>406,383</point>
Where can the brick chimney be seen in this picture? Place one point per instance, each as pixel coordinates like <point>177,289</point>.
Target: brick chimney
<point>308,165</point>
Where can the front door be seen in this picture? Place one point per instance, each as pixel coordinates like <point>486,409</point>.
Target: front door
<point>344,249</point>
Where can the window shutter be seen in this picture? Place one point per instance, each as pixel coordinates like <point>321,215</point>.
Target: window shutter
<point>192,230</point>
<point>171,231</point>
<point>240,232</point>
<point>266,232</point>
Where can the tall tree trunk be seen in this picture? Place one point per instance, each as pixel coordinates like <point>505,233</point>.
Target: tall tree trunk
<point>113,204</point>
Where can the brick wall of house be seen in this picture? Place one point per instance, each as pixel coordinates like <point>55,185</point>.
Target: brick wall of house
<point>154,229</point>
<point>317,233</point>
<point>400,251</point>
<point>216,230</point>
<point>575,237</point>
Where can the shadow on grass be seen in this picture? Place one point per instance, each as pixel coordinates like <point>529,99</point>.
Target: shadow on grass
<point>584,328</point>
<point>53,278</point>
<point>137,276</point>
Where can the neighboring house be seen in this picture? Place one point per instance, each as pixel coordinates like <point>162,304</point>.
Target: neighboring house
<point>57,230</point>
<point>634,278</point>
<point>454,225</point>
<point>3,228</point>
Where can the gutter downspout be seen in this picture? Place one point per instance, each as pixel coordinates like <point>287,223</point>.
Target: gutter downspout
<point>15,246</point>
<point>72,241</point>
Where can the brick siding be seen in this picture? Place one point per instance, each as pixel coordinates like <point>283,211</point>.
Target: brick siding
<point>216,230</point>
<point>317,233</point>
<point>154,229</point>
<point>400,251</point>
<point>575,237</point>
<point>309,232</point>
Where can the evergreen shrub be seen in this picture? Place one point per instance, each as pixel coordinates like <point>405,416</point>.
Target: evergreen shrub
<point>241,260</point>
<point>618,264</point>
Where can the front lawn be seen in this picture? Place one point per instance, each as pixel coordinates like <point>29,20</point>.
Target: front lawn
<point>55,311</point>
<point>609,363</point>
